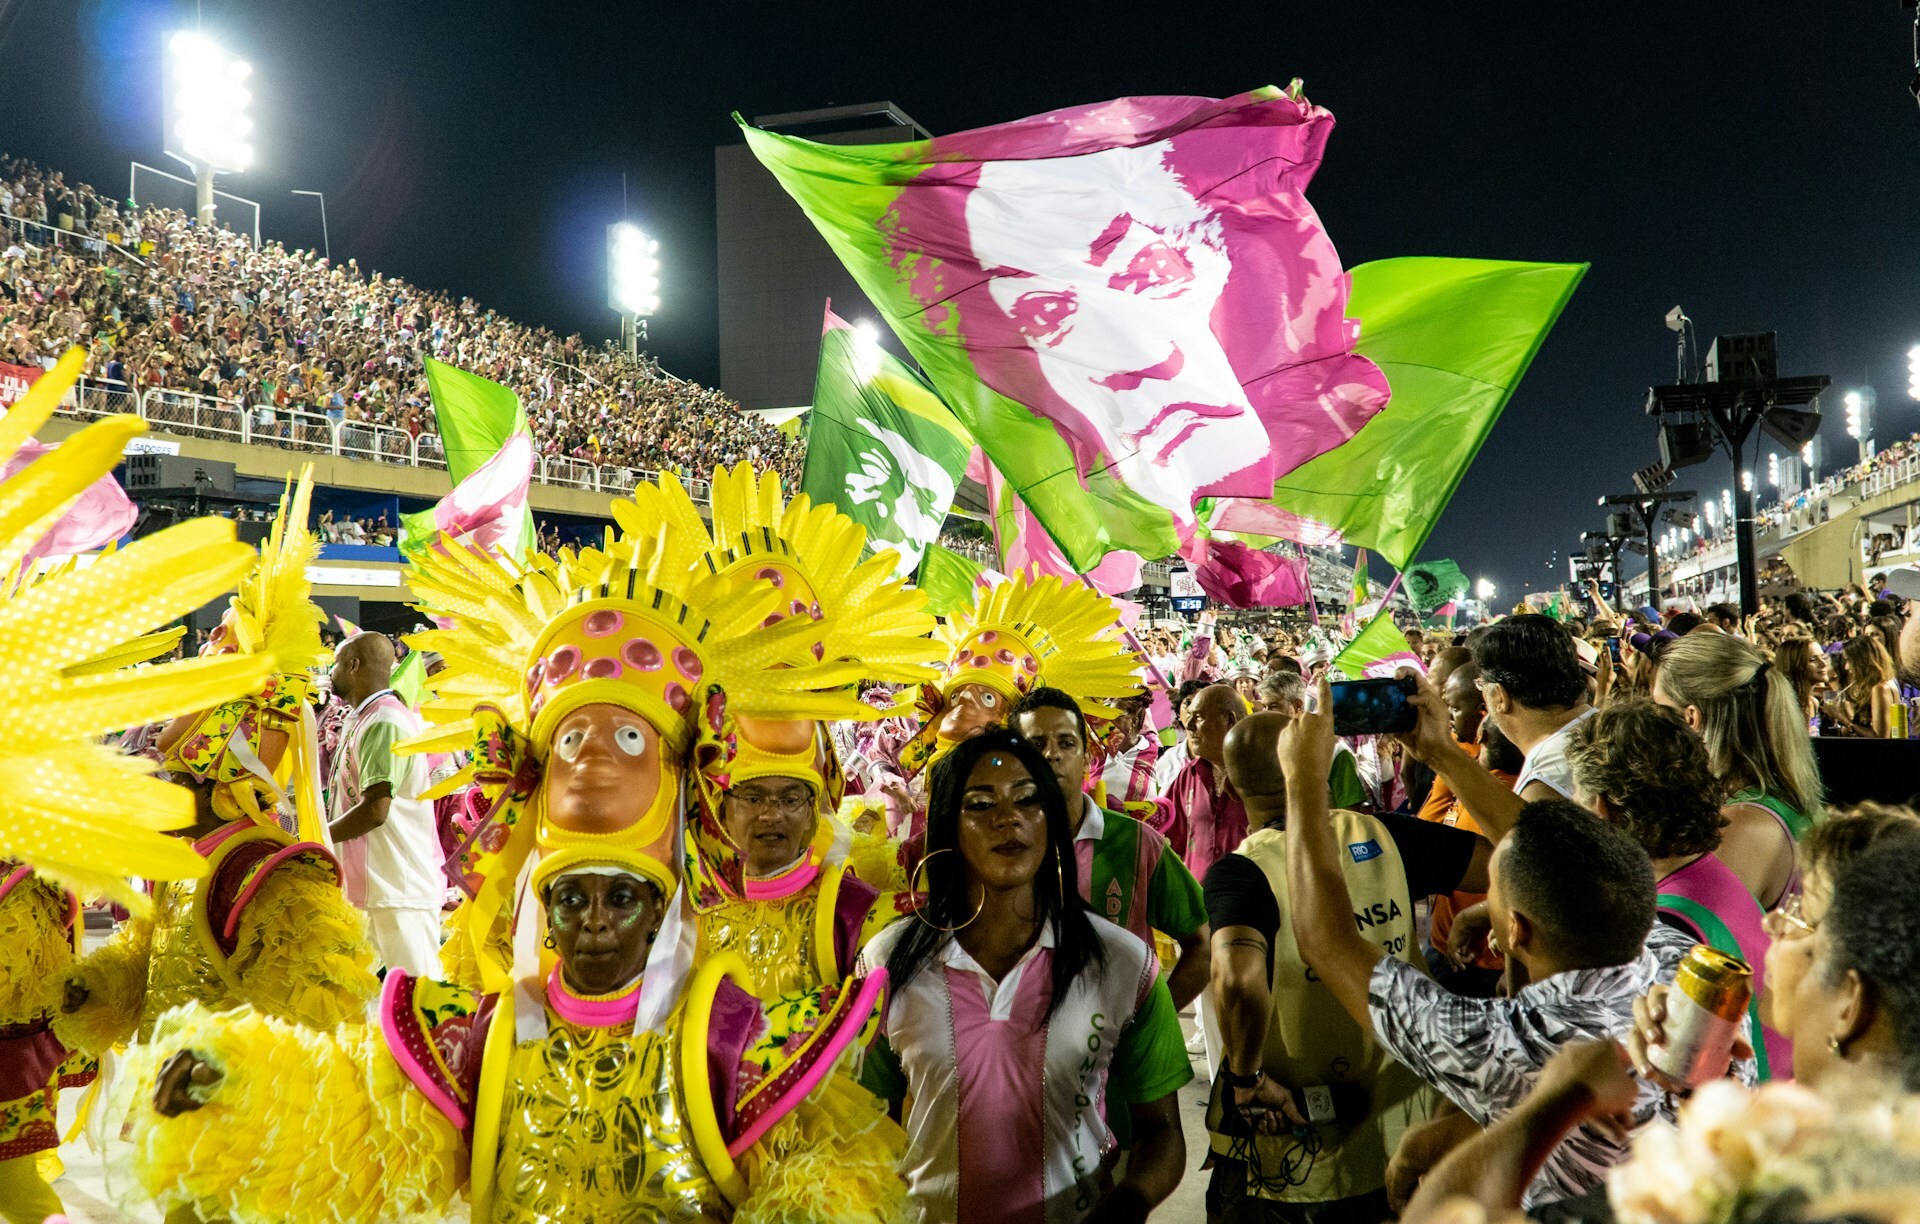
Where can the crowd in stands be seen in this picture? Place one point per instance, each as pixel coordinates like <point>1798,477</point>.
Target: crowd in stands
<point>166,304</point>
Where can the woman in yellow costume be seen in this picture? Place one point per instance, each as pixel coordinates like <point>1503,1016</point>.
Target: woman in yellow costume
<point>268,924</point>
<point>79,818</point>
<point>596,1076</point>
<point>774,875</point>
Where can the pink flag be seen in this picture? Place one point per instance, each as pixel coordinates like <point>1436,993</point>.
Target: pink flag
<point>1266,519</point>
<point>98,517</point>
<point>489,508</point>
<point>1236,576</point>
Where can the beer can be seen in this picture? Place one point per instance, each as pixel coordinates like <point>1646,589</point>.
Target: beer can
<point>1897,720</point>
<point>1704,1010</point>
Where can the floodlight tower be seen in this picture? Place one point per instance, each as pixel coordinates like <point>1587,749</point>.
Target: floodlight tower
<point>633,281</point>
<point>205,112</point>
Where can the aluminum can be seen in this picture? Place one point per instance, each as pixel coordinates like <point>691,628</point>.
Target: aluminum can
<point>1705,1010</point>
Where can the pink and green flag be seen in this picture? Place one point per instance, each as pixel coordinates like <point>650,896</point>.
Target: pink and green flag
<point>1129,305</point>
<point>490,458</point>
<point>1361,592</point>
<point>1379,650</point>
<point>948,579</point>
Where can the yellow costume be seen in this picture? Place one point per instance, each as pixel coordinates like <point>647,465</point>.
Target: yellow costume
<point>802,927</point>
<point>79,817</point>
<point>580,684</point>
<point>267,924</point>
<point>1024,634</point>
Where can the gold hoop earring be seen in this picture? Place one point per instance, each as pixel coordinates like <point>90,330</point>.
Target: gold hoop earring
<point>920,910</point>
<point>548,941</point>
<point>1060,870</point>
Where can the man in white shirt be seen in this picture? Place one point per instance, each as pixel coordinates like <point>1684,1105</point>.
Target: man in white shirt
<point>390,856</point>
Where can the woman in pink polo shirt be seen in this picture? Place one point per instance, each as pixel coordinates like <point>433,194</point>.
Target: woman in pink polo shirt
<point>1019,1019</point>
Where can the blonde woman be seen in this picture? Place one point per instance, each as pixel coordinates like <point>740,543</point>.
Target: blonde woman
<point>1748,714</point>
<point>1866,704</point>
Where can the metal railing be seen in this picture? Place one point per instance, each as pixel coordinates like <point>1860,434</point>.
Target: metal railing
<point>191,415</point>
<point>39,233</point>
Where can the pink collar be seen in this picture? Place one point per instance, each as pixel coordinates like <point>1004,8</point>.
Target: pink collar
<point>786,883</point>
<point>609,1011</point>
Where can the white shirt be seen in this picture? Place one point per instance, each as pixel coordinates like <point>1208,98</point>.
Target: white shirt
<point>1547,763</point>
<point>400,864</point>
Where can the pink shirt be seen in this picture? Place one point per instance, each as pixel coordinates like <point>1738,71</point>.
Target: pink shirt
<point>1206,826</point>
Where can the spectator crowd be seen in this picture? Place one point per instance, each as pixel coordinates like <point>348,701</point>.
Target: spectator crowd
<point>163,304</point>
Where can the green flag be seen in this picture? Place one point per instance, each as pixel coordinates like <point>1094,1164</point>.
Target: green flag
<point>948,579</point>
<point>1379,650</point>
<point>1454,336</point>
<point>880,444</point>
<point>409,681</point>
<point>475,416</point>
<point>1433,583</point>
<point>1360,591</point>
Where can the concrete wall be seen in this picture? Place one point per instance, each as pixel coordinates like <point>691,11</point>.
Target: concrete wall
<point>775,275</point>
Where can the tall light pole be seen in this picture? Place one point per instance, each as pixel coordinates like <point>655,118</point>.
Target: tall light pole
<point>326,243</point>
<point>633,280</point>
<point>205,113</point>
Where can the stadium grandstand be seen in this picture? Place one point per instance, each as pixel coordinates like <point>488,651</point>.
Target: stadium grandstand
<point>207,336</point>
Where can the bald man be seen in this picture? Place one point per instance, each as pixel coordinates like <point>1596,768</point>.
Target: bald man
<point>390,857</point>
<point>1284,1037</point>
<point>1208,818</point>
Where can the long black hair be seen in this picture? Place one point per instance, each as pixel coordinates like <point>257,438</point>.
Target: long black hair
<point>949,902</point>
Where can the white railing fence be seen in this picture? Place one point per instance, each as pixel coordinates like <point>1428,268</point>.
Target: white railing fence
<point>190,415</point>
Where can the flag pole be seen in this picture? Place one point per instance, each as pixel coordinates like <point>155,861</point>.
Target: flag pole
<point>1313,602</point>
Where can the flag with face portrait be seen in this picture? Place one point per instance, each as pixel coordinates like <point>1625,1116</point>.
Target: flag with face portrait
<point>1129,305</point>
<point>880,444</point>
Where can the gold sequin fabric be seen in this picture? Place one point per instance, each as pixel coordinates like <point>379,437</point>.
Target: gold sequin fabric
<point>593,1128</point>
<point>775,938</point>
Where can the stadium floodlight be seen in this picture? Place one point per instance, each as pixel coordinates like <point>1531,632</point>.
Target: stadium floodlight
<point>1773,469</point>
<point>1913,371</point>
<point>1726,504</point>
<point>1484,589</point>
<point>1746,479</point>
<point>1853,403</point>
<point>866,350</point>
<point>633,272</point>
<point>206,104</point>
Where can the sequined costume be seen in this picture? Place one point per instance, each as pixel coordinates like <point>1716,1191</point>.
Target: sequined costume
<point>79,817</point>
<point>545,1105</point>
<point>262,921</point>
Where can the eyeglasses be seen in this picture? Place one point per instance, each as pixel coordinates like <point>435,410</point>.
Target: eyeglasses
<point>757,802</point>
<point>1788,916</point>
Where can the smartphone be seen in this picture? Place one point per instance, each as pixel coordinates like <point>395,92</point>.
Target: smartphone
<point>1373,707</point>
<point>1613,650</point>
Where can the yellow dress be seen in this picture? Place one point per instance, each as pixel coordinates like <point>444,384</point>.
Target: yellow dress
<point>268,927</point>
<point>545,1105</point>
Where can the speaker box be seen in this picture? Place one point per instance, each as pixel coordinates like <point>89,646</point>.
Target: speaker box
<point>1791,427</point>
<point>1685,443</point>
<point>1623,523</point>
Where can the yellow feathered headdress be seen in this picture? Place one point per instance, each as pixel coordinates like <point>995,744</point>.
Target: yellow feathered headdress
<point>632,625</point>
<point>70,808</point>
<point>859,611</point>
<point>271,615</point>
<point>1028,633</point>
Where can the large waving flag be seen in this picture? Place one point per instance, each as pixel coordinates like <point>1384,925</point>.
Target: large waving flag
<point>880,444</point>
<point>948,579</point>
<point>1454,336</point>
<point>1129,305</point>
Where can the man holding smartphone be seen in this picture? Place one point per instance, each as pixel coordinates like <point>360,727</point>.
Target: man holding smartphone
<point>1309,1108</point>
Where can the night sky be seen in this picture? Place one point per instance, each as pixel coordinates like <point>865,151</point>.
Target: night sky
<point>1758,163</point>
